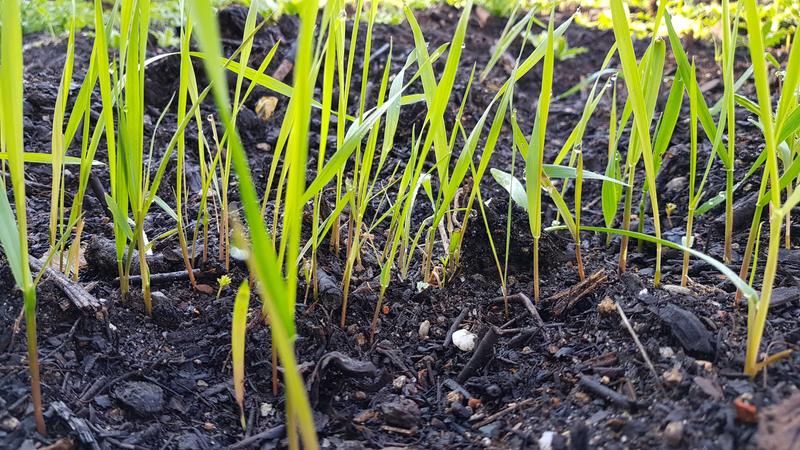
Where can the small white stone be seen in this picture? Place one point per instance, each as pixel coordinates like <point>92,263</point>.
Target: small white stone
<point>399,382</point>
<point>666,352</point>
<point>464,340</point>
<point>9,424</point>
<point>266,409</point>
<point>546,441</point>
<point>424,329</point>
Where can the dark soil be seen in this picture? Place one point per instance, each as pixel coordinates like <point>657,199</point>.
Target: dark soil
<point>139,383</point>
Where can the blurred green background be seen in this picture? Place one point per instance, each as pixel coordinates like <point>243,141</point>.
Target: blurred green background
<point>698,18</point>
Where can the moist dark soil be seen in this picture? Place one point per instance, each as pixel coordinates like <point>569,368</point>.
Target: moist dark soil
<point>571,376</point>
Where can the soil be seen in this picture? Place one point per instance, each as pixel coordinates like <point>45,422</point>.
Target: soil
<point>574,378</point>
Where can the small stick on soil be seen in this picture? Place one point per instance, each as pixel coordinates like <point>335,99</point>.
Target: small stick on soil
<point>77,424</point>
<point>455,386</point>
<point>102,383</point>
<point>595,386</point>
<point>509,409</point>
<point>252,441</point>
<point>449,338</point>
<point>566,299</point>
<point>482,354</point>
<point>526,302</point>
<point>638,344</point>
<point>167,277</point>
<point>85,301</point>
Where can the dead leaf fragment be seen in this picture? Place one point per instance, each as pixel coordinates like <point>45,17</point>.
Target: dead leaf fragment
<point>745,412</point>
<point>265,107</point>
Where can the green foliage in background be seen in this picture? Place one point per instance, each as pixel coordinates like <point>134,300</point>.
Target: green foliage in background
<point>700,19</point>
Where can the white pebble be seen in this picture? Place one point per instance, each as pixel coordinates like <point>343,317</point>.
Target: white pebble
<point>464,340</point>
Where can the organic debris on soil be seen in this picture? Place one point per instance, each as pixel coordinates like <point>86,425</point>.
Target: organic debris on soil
<point>569,375</point>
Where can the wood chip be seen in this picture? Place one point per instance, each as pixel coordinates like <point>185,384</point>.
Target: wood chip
<point>566,299</point>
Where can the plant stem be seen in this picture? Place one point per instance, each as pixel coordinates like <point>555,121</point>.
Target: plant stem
<point>626,222</point>
<point>755,332</point>
<point>728,214</point>
<point>688,243</point>
<point>29,295</point>
<point>536,269</point>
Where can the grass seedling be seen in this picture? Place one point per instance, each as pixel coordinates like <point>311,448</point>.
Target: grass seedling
<point>58,148</point>
<point>186,82</point>
<point>277,288</point>
<point>757,309</point>
<point>728,58</point>
<point>693,195</point>
<point>14,232</point>
<point>639,101</point>
<point>534,157</point>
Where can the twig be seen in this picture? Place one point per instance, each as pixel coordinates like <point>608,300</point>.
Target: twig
<point>85,301</point>
<point>566,299</point>
<point>481,356</point>
<point>69,336</point>
<point>449,338</point>
<point>77,424</point>
<point>638,344</point>
<point>455,386</point>
<point>528,304</point>
<point>593,385</point>
<point>272,433</point>
<point>169,277</point>
<point>509,409</point>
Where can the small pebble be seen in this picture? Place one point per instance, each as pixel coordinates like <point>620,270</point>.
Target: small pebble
<point>606,307</point>
<point>546,441</point>
<point>464,340</point>
<point>424,329</point>
<point>399,382</point>
<point>673,377</point>
<point>454,397</point>
<point>9,424</point>
<point>673,433</point>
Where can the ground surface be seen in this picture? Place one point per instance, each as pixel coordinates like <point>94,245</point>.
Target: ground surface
<point>165,382</point>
